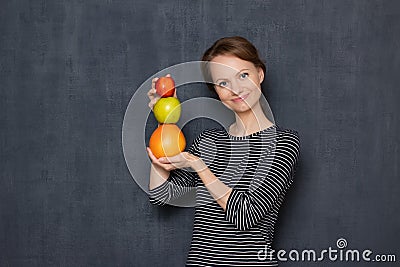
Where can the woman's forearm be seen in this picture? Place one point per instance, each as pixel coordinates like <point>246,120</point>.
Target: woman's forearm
<point>219,191</point>
<point>157,176</point>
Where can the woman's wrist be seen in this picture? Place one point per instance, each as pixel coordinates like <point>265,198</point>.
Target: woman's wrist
<point>197,164</point>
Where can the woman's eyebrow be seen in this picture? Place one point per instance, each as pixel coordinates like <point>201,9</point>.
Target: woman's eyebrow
<point>241,70</point>
<point>235,74</point>
<point>219,80</point>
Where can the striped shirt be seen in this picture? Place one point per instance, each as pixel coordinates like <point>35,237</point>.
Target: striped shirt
<point>259,168</point>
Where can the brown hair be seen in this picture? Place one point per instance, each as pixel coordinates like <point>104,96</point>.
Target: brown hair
<point>235,45</point>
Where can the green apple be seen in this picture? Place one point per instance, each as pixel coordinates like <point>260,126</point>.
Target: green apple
<point>167,110</point>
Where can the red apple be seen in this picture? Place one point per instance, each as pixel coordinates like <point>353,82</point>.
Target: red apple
<point>165,86</point>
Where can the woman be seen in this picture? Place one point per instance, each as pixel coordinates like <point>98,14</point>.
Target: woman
<point>238,223</point>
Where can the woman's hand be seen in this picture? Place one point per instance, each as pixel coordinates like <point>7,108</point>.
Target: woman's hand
<point>182,160</point>
<point>152,94</point>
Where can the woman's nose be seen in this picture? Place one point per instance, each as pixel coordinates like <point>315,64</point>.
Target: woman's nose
<point>235,88</point>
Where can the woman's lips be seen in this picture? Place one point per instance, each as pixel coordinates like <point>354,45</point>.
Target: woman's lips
<point>241,98</point>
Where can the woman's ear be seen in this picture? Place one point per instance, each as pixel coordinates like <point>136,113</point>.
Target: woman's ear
<point>261,75</point>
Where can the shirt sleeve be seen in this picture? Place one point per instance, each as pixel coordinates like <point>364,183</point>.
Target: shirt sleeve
<point>179,183</point>
<point>273,177</point>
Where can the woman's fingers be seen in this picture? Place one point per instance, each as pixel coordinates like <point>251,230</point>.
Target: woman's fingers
<point>151,92</point>
<point>176,161</point>
<point>153,158</point>
<point>153,82</point>
<point>151,155</point>
<point>164,160</point>
<point>165,166</point>
<point>153,97</point>
<point>153,102</point>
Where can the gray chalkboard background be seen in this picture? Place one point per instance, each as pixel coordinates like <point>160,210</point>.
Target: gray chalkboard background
<point>69,69</point>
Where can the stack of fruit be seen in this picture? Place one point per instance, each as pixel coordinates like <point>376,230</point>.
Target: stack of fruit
<point>167,140</point>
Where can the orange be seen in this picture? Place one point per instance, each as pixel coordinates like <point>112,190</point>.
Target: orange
<point>167,140</point>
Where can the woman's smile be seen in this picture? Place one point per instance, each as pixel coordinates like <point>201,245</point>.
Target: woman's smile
<point>240,98</point>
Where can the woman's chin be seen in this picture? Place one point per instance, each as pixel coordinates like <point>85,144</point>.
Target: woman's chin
<point>241,109</point>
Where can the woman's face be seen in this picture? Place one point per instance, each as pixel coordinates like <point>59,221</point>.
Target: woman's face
<point>237,82</point>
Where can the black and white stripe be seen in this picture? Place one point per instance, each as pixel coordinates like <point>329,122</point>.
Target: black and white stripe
<point>260,168</point>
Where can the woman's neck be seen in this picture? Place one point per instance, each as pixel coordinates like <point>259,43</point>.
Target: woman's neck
<point>249,122</point>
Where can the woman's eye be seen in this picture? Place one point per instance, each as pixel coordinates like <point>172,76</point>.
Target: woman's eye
<point>223,84</point>
<point>244,75</point>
